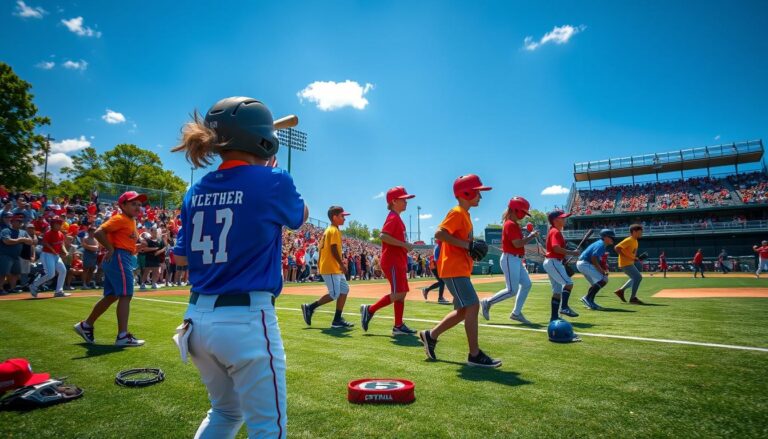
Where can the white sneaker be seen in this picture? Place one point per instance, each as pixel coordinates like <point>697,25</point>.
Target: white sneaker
<point>485,308</point>
<point>128,340</point>
<point>154,286</point>
<point>142,287</point>
<point>520,318</point>
<point>61,294</point>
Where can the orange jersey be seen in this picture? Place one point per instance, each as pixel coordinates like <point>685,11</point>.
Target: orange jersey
<point>455,261</point>
<point>121,232</point>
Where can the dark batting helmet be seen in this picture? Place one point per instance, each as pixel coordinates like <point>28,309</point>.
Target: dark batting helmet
<point>244,124</point>
<point>607,232</point>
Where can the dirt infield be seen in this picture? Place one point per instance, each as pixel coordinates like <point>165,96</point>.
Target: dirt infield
<point>372,290</point>
<point>701,293</point>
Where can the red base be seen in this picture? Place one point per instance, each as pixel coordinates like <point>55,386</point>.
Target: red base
<point>380,391</point>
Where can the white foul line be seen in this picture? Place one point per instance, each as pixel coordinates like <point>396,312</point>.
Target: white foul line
<point>516,328</point>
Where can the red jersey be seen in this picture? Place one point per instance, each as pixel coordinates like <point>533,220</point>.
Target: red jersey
<point>554,238</point>
<point>54,239</point>
<point>510,233</point>
<point>391,255</point>
<point>698,258</point>
<point>763,252</point>
<point>92,209</point>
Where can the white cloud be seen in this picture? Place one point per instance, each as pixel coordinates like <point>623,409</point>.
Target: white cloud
<point>113,117</point>
<point>476,219</point>
<point>379,195</point>
<point>558,35</point>
<point>75,25</point>
<point>70,145</point>
<point>425,216</point>
<point>59,160</point>
<point>717,137</point>
<point>75,65</point>
<point>45,65</point>
<point>25,11</point>
<point>555,189</point>
<point>330,95</point>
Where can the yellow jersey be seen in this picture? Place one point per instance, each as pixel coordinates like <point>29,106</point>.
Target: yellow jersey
<point>627,246</point>
<point>328,263</point>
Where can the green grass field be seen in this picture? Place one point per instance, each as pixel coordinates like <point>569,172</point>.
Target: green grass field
<point>602,387</point>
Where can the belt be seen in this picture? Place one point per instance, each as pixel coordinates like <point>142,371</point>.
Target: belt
<point>228,300</point>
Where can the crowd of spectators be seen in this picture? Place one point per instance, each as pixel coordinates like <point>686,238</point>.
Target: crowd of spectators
<point>751,187</point>
<point>597,201</point>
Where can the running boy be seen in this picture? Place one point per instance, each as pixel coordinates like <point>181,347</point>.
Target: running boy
<point>518,283</point>
<point>118,236</point>
<point>332,271</point>
<point>762,253</point>
<point>53,249</point>
<point>627,250</point>
<point>455,266</point>
<point>594,271</point>
<point>394,262</point>
<point>553,265</point>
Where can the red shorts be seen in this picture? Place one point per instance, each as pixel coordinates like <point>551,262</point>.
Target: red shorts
<point>663,266</point>
<point>397,277</point>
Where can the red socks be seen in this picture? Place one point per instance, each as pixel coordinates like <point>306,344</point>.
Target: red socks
<point>399,307</point>
<point>384,301</point>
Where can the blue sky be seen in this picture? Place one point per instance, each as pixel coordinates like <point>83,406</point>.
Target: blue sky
<point>515,92</point>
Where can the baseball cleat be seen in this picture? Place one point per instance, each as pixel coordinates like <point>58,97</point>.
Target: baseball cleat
<point>429,344</point>
<point>519,318</point>
<point>636,301</point>
<point>596,307</point>
<point>128,340</point>
<point>442,301</point>
<point>620,295</point>
<point>402,330</point>
<point>86,333</point>
<point>341,323</point>
<point>365,317</point>
<point>586,303</point>
<point>307,313</point>
<point>61,294</point>
<point>482,360</point>
<point>569,312</point>
<point>424,293</point>
<point>485,308</point>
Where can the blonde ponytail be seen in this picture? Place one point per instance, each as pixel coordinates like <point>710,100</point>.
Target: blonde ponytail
<point>199,143</point>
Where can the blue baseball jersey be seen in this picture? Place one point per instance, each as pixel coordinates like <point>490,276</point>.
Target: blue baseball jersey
<point>596,249</point>
<point>231,233</point>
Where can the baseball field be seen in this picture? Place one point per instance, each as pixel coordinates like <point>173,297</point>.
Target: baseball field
<point>692,367</point>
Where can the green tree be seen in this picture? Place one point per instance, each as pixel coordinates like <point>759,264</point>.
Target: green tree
<point>376,236</point>
<point>21,147</point>
<point>358,230</point>
<point>131,165</point>
<point>538,218</point>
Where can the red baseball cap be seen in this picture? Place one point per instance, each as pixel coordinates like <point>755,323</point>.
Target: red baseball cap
<point>17,372</point>
<point>557,214</point>
<point>398,193</point>
<point>130,196</point>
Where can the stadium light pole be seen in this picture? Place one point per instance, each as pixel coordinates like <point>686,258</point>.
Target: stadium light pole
<point>292,139</point>
<point>48,139</point>
<point>418,223</point>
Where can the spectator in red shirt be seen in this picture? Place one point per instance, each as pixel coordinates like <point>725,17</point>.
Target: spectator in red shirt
<point>698,263</point>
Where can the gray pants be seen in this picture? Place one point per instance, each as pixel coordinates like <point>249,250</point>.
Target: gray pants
<point>634,279</point>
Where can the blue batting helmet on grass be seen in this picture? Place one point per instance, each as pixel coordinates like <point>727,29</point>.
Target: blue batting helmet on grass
<point>561,331</point>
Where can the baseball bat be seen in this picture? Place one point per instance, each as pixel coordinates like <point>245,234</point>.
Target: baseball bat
<point>286,122</point>
<point>578,247</point>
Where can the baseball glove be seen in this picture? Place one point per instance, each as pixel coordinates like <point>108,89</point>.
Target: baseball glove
<point>478,249</point>
<point>642,256</point>
<point>40,395</point>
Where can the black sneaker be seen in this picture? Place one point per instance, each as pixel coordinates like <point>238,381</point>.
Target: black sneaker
<point>429,344</point>
<point>341,323</point>
<point>365,316</point>
<point>307,312</point>
<point>482,360</point>
<point>442,301</point>
<point>402,330</point>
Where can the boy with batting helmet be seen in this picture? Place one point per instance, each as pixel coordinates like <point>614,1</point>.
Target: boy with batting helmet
<point>590,266</point>
<point>553,265</point>
<point>331,269</point>
<point>394,262</point>
<point>455,266</point>
<point>231,239</point>
<point>518,283</point>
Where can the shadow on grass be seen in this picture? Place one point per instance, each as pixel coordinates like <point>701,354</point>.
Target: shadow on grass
<point>617,310</point>
<point>651,304</point>
<point>494,375</point>
<point>333,332</point>
<point>400,340</point>
<point>97,350</point>
<point>581,325</point>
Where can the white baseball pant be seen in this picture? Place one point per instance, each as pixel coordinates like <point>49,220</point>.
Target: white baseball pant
<point>239,353</point>
<point>590,272</point>
<point>558,277</point>
<point>518,283</point>
<point>52,266</point>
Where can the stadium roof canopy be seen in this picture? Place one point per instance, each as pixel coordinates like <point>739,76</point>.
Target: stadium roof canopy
<point>731,154</point>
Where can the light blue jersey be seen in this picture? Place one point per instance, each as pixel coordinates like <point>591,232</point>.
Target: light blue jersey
<point>596,249</point>
<point>232,229</point>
